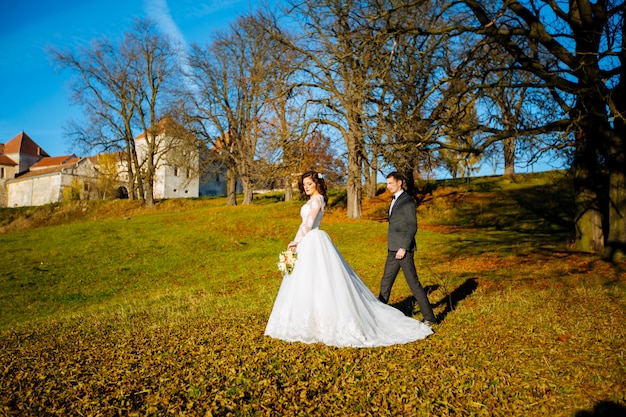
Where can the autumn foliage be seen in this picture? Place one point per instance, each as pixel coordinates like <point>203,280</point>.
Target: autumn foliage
<point>162,312</point>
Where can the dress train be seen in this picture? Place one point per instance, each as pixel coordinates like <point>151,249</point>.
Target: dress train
<point>324,301</point>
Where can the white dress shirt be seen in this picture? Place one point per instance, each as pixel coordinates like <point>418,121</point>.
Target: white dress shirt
<point>395,198</point>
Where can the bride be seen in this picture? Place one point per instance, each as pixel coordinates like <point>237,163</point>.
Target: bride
<point>323,300</point>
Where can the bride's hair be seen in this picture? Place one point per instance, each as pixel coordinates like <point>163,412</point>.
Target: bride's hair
<point>318,179</point>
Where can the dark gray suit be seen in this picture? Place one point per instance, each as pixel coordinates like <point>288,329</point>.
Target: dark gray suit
<point>401,234</point>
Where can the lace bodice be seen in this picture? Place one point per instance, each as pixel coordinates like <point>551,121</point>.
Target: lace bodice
<point>312,213</point>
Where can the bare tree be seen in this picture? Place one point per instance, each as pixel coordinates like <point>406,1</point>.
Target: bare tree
<point>586,40</point>
<point>285,127</point>
<point>460,137</point>
<point>285,140</point>
<point>337,51</point>
<point>510,102</point>
<point>104,87</point>
<point>418,87</point>
<point>157,74</point>
<point>123,87</point>
<point>233,86</point>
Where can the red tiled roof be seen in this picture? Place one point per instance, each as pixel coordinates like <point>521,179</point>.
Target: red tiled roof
<point>5,160</point>
<point>165,125</point>
<point>54,161</point>
<point>43,171</point>
<point>22,143</point>
<point>50,165</point>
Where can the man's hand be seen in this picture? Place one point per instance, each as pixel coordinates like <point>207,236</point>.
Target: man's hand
<point>400,254</point>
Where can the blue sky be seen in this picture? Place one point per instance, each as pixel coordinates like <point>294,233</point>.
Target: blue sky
<point>34,96</point>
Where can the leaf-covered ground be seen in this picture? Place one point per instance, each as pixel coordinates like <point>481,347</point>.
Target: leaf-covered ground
<point>527,327</point>
<point>529,347</point>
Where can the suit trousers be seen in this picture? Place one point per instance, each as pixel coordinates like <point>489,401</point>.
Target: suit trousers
<point>392,267</point>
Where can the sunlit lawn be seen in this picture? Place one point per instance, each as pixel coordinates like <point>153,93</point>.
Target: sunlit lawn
<point>163,312</point>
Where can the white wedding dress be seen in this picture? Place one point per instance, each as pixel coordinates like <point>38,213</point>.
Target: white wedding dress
<point>324,301</point>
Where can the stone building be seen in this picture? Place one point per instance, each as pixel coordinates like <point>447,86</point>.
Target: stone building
<point>31,177</point>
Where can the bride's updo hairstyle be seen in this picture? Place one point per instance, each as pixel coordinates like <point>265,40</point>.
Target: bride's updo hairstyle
<point>318,179</point>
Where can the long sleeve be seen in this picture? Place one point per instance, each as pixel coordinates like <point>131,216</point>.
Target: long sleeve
<point>316,204</point>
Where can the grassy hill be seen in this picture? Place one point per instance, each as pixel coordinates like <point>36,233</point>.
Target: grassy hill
<point>532,201</point>
<point>107,308</point>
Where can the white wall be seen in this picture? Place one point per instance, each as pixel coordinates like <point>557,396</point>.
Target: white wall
<point>35,191</point>
<point>178,184</point>
<point>167,182</point>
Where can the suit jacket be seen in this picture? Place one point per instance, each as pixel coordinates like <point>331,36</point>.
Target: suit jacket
<point>402,224</point>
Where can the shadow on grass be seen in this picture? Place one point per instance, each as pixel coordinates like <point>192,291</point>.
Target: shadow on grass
<point>450,300</point>
<point>604,409</point>
<point>537,216</point>
<point>405,306</point>
<point>513,242</point>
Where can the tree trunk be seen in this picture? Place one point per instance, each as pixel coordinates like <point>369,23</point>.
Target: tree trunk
<point>615,244</point>
<point>371,174</point>
<point>150,191</point>
<point>138,186</point>
<point>588,221</point>
<point>288,189</point>
<point>589,236</point>
<point>130,170</point>
<point>248,194</point>
<point>246,183</point>
<point>231,184</point>
<point>150,174</point>
<point>409,180</point>
<point>374,165</point>
<point>354,187</point>
<point>370,182</point>
<point>509,157</point>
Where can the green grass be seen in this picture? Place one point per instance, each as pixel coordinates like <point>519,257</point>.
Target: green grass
<point>110,309</point>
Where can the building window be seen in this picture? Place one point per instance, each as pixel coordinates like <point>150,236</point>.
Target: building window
<point>176,171</point>
<point>1,173</point>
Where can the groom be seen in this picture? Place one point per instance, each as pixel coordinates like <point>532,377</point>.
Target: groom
<point>401,247</point>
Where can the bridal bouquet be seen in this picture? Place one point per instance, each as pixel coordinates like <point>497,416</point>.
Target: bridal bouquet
<point>286,261</point>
